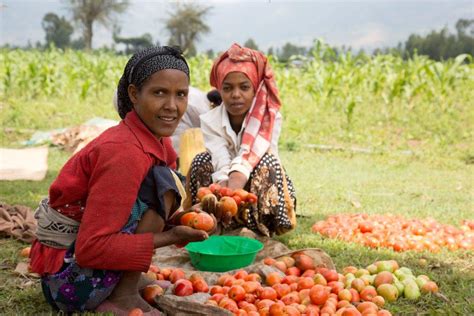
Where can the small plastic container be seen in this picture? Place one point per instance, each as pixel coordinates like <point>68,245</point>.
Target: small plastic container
<point>223,253</point>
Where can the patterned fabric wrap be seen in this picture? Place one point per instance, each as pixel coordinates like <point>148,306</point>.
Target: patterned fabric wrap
<point>159,180</point>
<point>256,139</point>
<point>75,288</point>
<point>54,229</point>
<point>276,205</point>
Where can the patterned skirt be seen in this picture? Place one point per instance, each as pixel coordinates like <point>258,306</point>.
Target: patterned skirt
<point>276,205</point>
<point>75,288</point>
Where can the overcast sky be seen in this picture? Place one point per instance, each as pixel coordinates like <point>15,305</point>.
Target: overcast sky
<point>359,24</point>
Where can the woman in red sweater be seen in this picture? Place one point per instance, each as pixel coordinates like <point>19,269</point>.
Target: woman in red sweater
<point>108,207</point>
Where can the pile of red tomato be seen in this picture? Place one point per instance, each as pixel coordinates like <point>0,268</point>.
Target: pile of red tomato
<point>240,196</point>
<point>397,232</point>
<point>296,288</point>
<point>182,286</point>
<point>224,202</point>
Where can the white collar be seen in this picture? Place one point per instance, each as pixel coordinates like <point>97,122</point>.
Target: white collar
<point>226,122</point>
<point>226,119</point>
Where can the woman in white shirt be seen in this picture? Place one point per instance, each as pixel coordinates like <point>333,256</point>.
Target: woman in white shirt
<point>241,138</point>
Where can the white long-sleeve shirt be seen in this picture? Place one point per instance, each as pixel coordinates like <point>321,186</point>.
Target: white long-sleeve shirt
<point>224,144</point>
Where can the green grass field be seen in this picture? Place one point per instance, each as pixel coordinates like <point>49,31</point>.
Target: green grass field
<point>415,116</point>
<point>326,184</point>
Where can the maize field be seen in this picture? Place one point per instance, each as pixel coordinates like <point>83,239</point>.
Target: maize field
<point>381,102</point>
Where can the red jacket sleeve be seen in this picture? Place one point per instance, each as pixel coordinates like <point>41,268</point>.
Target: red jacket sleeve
<point>117,171</point>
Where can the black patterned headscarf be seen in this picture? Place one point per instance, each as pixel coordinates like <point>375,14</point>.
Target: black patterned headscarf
<point>141,66</point>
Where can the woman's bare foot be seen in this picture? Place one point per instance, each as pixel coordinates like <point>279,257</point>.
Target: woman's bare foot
<point>144,281</point>
<point>128,302</point>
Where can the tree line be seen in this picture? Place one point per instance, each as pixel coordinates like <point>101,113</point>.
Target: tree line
<point>438,45</point>
<point>186,25</point>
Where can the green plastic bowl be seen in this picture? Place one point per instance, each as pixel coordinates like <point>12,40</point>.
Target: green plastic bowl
<point>223,253</point>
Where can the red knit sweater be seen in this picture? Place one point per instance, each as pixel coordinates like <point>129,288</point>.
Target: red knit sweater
<point>98,187</point>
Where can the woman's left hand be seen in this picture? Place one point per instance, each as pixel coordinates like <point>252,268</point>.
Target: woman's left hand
<point>197,209</point>
<point>237,180</point>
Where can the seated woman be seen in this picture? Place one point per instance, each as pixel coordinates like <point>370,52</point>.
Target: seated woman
<point>109,207</point>
<point>241,138</point>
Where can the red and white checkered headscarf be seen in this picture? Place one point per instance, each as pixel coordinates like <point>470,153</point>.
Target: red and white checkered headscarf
<point>257,136</point>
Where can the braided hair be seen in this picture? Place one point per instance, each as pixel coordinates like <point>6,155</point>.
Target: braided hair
<point>142,65</point>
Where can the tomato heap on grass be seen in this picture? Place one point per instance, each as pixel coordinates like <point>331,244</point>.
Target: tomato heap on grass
<point>396,232</point>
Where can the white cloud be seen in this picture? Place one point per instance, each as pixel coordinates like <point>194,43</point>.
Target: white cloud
<point>358,23</point>
<point>374,36</point>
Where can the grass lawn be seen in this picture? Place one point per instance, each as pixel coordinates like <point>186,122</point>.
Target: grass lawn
<point>382,103</point>
<point>326,184</point>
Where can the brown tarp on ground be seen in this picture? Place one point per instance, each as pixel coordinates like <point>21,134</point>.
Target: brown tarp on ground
<point>17,221</point>
<point>194,304</point>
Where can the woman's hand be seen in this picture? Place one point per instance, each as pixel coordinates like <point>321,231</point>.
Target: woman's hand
<point>184,234</point>
<point>198,209</point>
<point>237,180</point>
<point>178,235</point>
<point>176,218</point>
